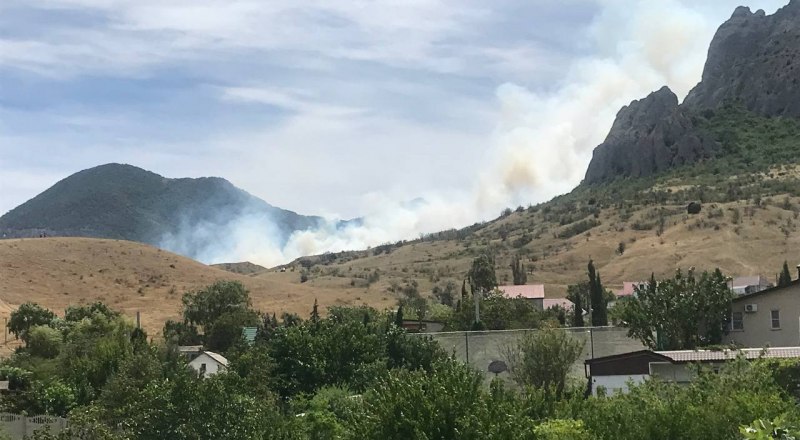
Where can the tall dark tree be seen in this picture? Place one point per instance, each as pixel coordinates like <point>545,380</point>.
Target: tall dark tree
<point>785,277</point>
<point>518,271</point>
<point>578,294</point>
<point>398,317</point>
<point>315,313</point>
<point>597,297</point>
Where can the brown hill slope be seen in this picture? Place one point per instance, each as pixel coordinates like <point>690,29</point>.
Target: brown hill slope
<point>131,277</point>
<point>744,237</point>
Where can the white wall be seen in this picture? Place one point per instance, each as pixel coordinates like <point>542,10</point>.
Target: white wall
<point>613,384</point>
<point>212,366</point>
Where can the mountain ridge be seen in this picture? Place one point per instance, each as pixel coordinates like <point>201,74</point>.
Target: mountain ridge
<point>753,61</point>
<point>121,201</point>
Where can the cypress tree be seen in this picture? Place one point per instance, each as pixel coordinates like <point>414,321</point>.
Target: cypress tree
<point>785,277</point>
<point>315,313</point>
<point>518,272</point>
<point>398,317</point>
<point>597,297</point>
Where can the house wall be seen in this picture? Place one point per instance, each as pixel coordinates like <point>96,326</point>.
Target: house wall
<point>757,330</point>
<point>212,366</point>
<point>616,384</point>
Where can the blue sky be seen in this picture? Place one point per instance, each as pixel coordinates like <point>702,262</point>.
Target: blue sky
<point>335,108</point>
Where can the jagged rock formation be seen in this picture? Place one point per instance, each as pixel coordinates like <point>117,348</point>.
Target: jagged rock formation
<point>753,60</point>
<point>649,136</point>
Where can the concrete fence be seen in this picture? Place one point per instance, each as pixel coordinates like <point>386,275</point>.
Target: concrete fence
<point>480,348</point>
<point>17,427</point>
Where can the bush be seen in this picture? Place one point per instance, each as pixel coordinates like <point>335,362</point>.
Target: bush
<point>44,342</point>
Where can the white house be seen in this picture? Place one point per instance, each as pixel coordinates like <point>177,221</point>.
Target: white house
<point>209,363</point>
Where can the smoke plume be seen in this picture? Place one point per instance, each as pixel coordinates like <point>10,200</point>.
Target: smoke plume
<point>542,143</point>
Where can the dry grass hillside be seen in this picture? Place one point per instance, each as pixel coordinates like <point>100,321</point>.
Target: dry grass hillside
<point>744,237</point>
<point>131,277</point>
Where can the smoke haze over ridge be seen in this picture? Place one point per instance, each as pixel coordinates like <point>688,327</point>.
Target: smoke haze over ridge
<point>469,108</point>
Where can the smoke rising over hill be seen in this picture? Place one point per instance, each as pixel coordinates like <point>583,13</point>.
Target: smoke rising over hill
<point>543,138</point>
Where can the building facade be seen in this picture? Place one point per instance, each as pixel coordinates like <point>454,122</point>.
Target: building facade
<point>770,317</point>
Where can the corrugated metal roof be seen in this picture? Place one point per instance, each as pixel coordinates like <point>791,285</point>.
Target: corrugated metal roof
<point>530,291</point>
<point>249,334</point>
<point>723,355</point>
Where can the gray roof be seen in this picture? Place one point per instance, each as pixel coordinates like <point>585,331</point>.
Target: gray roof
<point>217,357</point>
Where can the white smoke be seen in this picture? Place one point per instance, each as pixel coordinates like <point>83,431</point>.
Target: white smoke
<point>543,140</point>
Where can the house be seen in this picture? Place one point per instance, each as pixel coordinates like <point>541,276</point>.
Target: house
<point>615,373</point>
<point>769,317</point>
<point>749,284</point>
<point>208,363</point>
<point>629,288</point>
<point>531,292</point>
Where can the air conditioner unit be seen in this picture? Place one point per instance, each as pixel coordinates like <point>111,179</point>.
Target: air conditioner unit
<point>751,308</point>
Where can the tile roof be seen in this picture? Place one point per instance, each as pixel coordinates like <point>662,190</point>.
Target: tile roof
<point>563,302</point>
<point>722,355</point>
<point>628,287</point>
<point>530,291</point>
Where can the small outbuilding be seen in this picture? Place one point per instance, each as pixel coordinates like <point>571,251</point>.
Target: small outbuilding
<point>208,363</point>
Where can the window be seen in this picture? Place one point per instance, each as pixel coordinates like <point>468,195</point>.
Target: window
<point>776,319</point>
<point>737,321</point>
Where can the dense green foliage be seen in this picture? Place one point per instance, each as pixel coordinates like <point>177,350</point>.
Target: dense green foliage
<point>354,374</point>
<point>683,312</point>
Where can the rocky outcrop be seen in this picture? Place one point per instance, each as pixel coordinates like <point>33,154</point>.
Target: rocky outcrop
<point>754,59</point>
<point>649,136</point>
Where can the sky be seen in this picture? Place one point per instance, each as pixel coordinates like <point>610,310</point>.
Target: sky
<point>340,109</point>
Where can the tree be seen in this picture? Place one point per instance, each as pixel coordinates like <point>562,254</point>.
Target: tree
<point>578,294</point>
<point>679,313</point>
<point>785,277</point>
<point>463,290</point>
<point>226,330</point>
<point>398,317</point>
<point>518,271</point>
<point>315,312</point>
<point>44,341</point>
<point>597,296</point>
<point>26,316</point>
<point>77,313</point>
<point>203,307</point>
<point>481,275</point>
<point>542,359</point>
<point>446,296</point>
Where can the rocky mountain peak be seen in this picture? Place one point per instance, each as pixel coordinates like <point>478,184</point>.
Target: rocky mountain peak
<point>753,61</point>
